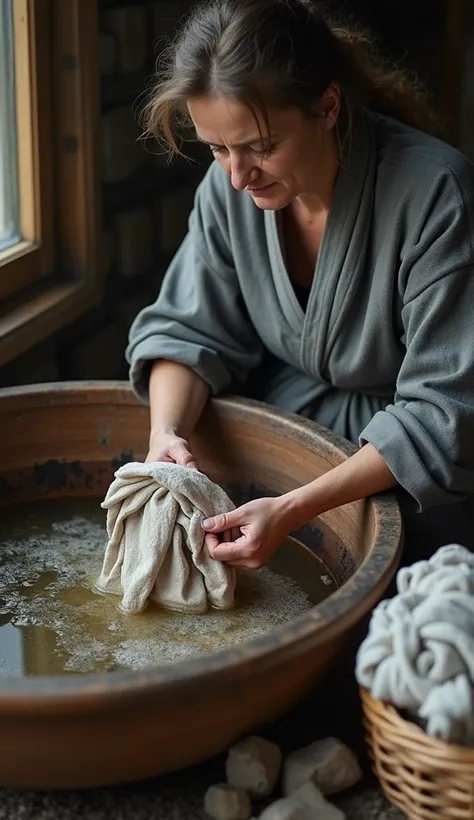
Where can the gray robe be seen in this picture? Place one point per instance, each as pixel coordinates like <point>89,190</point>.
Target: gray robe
<point>384,352</point>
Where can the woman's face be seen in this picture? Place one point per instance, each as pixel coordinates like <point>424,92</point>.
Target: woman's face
<point>295,158</point>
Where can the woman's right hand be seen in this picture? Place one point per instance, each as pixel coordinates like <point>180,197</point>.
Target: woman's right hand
<point>172,449</point>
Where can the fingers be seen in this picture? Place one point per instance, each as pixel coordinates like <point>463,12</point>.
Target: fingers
<point>179,451</point>
<point>248,565</point>
<point>214,540</point>
<point>211,542</point>
<point>230,535</point>
<point>151,457</point>
<point>188,461</point>
<point>234,534</point>
<point>236,554</point>
<point>233,550</point>
<point>222,523</point>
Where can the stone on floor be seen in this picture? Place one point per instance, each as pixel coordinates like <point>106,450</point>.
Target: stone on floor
<point>224,802</point>
<point>306,803</point>
<point>254,764</point>
<point>328,763</point>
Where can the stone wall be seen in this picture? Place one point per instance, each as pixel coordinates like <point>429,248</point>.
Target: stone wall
<point>147,202</point>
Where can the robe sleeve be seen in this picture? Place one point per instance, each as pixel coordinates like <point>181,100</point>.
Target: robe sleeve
<point>426,436</point>
<point>199,318</point>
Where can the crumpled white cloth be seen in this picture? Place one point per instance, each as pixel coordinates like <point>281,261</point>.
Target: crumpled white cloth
<point>449,711</point>
<point>420,647</point>
<point>155,550</point>
<point>449,568</point>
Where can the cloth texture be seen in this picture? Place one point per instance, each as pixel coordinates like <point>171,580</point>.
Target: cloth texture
<point>419,652</point>
<point>156,550</point>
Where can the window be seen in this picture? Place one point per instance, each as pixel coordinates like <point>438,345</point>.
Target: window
<point>49,168</point>
<point>9,212</point>
<point>25,229</point>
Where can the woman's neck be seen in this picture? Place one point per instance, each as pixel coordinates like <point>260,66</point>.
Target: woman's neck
<point>317,199</point>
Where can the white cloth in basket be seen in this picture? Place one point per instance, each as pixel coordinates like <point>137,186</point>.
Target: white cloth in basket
<point>419,652</point>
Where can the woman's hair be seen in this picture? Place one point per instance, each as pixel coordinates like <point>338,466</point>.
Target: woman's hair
<point>283,53</point>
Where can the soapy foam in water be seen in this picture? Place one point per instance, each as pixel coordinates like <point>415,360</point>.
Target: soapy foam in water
<point>52,622</point>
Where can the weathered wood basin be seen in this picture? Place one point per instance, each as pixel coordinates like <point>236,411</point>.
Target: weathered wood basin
<point>60,440</point>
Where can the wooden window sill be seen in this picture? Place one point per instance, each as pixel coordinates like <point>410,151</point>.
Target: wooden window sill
<point>41,310</point>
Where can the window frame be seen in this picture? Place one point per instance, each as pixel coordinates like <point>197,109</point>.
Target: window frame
<point>54,275</point>
<point>33,256</point>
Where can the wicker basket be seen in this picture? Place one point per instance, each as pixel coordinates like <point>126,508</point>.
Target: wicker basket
<point>424,777</point>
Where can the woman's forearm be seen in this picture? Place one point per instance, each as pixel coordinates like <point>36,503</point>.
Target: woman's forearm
<point>177,399</point>
<point>360,476</point>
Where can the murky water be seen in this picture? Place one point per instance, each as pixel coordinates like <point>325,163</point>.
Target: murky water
<point>51,622</point>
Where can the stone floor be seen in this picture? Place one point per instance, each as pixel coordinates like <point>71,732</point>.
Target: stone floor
<point>177,798</point>
<point>332,708</point>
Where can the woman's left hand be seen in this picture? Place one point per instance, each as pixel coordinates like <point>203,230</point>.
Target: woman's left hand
<point>248,536</point>
<point>251,533</point>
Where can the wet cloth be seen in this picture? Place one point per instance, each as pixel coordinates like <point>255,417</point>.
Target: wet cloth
<point>155,550</point>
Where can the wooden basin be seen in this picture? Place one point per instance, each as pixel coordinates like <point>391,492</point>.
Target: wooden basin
<point>63,440</point>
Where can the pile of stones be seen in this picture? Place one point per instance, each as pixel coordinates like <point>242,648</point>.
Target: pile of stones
<point>255,766</point>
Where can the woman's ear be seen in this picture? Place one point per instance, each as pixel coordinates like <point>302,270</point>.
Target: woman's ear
<point>329,106</point>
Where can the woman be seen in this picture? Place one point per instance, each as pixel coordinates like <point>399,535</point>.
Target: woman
<point>328,269</point>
